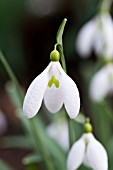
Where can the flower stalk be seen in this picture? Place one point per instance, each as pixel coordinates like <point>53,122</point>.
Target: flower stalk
<point>60,49</point>
<point>105,5</point>
<point>70,127</point>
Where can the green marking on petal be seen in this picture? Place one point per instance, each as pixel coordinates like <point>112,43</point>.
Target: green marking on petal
<point>54,81</point>
<point>86,144</point>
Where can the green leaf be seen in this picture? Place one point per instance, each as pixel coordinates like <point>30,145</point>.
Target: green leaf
<point>32,167</point>
<point>4,166</point>
<point>54,149</point>
<point>60,32</point>
<point>12,91</point>
<point>28,128</point>
<point>32,158</point>
<point>102,121</point>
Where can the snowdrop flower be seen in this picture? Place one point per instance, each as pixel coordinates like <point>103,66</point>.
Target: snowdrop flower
<point>59,132</point>
<point>89,151</point>
<point>96,34</point>
<point>55,87</point>
<point>102,83</point>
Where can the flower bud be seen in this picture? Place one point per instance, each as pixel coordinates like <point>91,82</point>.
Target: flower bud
<point>54,55</point>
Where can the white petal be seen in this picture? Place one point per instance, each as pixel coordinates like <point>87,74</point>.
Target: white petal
<point>109,68</point>
<point>103,39</point>
<point>100,85</point>
<point>70,94</point>
<point>96,155</point>
<point>54,70</point>
<point>53,99</point>
<point>35,93</point>
<point>76,154</point>
<point>59,131</point>
<point>85,38</point>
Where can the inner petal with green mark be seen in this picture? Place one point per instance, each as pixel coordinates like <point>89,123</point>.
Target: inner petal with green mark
<point>86,144</point>
<point>54,81</point>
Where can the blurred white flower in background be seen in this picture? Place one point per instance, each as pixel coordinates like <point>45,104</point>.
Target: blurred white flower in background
<point>102,83</point>
<point>90,152</point>
<point>97,34</point>
<point>3,123</point>
<point>42,7</point>
<point>58,130</point>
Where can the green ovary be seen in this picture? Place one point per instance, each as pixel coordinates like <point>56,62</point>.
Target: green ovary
<point>54,81</point>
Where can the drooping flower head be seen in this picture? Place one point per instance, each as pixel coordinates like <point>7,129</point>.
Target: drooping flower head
<point>89,151</point>
<point>102,83</point>
<point>97,35</point>
<point>55,87</point>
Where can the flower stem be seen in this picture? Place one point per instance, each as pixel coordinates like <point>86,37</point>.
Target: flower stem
<point>105,5</point>
<point>70,129</point>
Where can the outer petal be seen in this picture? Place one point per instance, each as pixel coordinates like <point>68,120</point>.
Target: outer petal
<point>100,85</point>
<point>85,38</point>
<point>70,94</point>
<point>96,156</point>
<point>104,40</point>
<point>53,99</point>
<point>35,93</point>
<point>76,154</point>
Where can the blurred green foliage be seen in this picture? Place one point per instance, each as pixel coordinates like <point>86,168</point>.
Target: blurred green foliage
<point>11,14</point>
<point>14,23</point>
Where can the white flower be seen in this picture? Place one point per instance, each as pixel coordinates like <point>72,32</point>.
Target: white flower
<point>57,88</point>
<point>96,34</point>
<point>102,83</point>
<point>90,152</point>
<point>59,132</point>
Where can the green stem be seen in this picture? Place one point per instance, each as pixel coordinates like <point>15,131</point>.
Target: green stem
<point>63,61</point>
<point>20,96</point>
<point>105,5</point>
<point>70,129</point>
<point>44,151</point>
<point>11,75</point>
